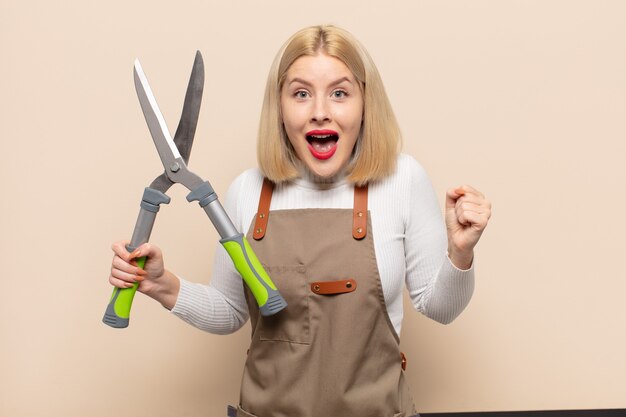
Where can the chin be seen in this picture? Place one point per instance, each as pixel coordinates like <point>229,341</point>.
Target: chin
<point>323,169</point>
<point>325,172</point>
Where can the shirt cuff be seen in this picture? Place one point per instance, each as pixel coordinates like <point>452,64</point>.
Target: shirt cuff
<point>470,269</point>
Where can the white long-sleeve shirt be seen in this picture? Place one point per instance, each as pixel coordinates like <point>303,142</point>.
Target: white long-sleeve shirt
<point>409,239</point>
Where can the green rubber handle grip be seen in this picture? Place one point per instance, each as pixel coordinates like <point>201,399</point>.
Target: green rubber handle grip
<point>117,314</point>
<point>265,292</point>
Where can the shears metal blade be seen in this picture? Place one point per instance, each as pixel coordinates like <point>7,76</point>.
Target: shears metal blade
<point>168,149</point>
<point>186,130</point>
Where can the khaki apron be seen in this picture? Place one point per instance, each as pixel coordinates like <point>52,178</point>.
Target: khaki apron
<point>333,351</point>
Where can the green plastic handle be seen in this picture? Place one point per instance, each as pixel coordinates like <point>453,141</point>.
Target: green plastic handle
<point>118,311</point>
<point>265,292</point>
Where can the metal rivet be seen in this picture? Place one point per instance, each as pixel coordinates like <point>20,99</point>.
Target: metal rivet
<point>359,230</point>
<point>360,214</point>
<point>259,230</point>
<point>349,285</point>
<point>262,215</point>
<point>316,288</point>
<point>174,167</point>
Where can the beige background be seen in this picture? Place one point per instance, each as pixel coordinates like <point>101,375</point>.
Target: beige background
<point>523,100</point>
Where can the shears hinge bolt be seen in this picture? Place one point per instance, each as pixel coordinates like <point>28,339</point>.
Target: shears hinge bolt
<point>175,167</point>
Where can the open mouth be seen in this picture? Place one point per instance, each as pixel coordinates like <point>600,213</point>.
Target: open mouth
<point>322,143</point>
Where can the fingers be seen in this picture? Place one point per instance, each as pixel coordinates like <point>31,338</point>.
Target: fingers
<point>123,279</point>
<point>466,193</point>
<point>464,207</point>
<point>124,274</point>
<point>471,198</point>
<point>469,206</point>
<point>124,270</point>
<point>478,206</point>
<point>451,196</point>
<point>466,189</point>
<point>477,220</point>
<point>146,249</point>
<point>119,248</point>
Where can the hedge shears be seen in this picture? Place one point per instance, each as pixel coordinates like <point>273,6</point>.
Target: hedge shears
<point>174,154</point>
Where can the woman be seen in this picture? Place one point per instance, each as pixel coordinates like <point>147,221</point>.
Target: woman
<point>343,221</point>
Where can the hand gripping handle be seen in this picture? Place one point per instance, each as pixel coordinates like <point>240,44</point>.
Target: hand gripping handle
<point>117,314</point>
<point>267,296</point>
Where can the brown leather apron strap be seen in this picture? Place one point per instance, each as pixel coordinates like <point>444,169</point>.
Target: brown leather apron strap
<point>263,213</point>
<point>359,224</point>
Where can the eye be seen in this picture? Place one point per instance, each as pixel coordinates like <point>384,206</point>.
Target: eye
<point>301,94</point>
<point>339,94</point>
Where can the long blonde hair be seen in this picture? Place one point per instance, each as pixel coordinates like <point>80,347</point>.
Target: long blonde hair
<point>376,149</point>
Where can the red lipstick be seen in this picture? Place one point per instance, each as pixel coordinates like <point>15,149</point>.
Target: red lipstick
<point>322,143</point>
<point>322,132</point>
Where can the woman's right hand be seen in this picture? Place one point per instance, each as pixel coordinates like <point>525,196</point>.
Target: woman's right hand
<point>154,280</point>
<point>124,269</point>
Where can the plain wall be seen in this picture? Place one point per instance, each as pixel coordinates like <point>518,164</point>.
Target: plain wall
<point>525,100</point>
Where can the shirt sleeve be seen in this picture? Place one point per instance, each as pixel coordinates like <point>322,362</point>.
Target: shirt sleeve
<point>437,288</point>
<point>219,307</point>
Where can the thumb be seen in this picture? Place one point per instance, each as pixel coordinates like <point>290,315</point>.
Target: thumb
<point>452,195</point>
<point>146,249</point>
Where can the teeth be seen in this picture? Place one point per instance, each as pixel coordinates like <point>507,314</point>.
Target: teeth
<point>321,136</point>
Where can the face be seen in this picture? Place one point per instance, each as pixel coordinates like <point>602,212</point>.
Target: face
<point>322,110</point>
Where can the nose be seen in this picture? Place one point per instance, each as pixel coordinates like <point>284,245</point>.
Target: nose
<point>320,113</point>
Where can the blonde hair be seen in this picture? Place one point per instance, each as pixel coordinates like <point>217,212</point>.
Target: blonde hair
<point>376,150</point>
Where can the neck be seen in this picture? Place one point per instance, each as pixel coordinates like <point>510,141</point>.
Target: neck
<point>308,177</point>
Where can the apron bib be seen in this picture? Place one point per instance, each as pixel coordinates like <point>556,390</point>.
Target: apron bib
<point>333,351</point>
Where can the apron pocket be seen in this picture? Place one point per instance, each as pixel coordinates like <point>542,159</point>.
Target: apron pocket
<point>291,324</point>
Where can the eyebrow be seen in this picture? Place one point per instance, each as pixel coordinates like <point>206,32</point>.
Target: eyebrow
<point>302,81</point>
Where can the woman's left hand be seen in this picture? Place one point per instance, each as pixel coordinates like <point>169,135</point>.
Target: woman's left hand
<point>467,215</point>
